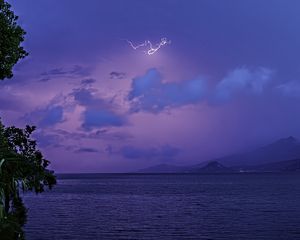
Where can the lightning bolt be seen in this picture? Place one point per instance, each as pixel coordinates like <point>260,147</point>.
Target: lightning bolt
<point>150,48</point>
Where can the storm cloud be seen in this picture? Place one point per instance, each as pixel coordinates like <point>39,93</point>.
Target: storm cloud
<point>150,93</point>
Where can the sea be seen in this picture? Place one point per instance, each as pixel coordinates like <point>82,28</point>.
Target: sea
<point>167,206</point>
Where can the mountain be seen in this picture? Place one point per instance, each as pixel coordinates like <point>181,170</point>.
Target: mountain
<point>282,166</point>
<point>166,168</point>
<point>206,167</point>
<point>212,167</point>
<point>273,157</point>
<point>283,149</point>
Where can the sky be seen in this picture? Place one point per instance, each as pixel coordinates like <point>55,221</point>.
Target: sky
<point>226,81</point>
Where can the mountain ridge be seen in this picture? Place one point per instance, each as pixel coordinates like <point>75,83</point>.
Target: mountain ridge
<point>269,157</point>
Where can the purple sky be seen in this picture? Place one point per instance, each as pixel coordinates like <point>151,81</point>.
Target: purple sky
<point>228,82</point>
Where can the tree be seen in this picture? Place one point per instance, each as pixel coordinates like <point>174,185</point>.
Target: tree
<point>11,37</point>
<point>22,167</point>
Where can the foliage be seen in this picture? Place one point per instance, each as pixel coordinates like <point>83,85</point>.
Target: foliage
<point>11,37</point>
<point>22,167</point>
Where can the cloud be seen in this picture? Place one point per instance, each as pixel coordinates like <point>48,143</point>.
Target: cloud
<point>149,93</point>
<point>52,116</point>
<point>50,140</point>
<point>58,138</point>
<point>86,150</point>
<point>289,89</point>
<point>242,79</point>
<point>45,140</point>
<point>98,112</point>
<point>85,98</point>
<point>117,75</point>
<point>103,134</point>
<point>88,81</point>
<point>98,118</point>
<point>75,71</point>
<point>164,152</point>
<point>45,79</point>
<point>45,117</point>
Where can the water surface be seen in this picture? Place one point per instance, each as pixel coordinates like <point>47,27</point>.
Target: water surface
<point>167,206</point>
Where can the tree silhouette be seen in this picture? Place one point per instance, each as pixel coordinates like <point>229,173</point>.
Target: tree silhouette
<point>24,168</point>
<point>22,165</point>
<point>11,37</point>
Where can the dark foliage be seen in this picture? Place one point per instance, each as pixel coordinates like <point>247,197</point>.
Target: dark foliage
<point>22,168</point>
<point>22,165</point>
<point>11,37</point>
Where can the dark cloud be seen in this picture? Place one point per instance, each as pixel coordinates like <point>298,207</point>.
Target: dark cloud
<point>51,116</point>
<point>149,93</point>
<point>45,117</point>
<point>75,71</point>
<point>76,136</point>
<point>45,79</point>
<point>85,98</point>
<point>86,150</point>
<point>165,152</point>
<point>55,72</point>
<point>51,139</point>
<point>117,75</point>
<point>103,134</point>
<point>45,139</point>
<point>88,81</point>
<point>98,118</point>
<point>98,112</point>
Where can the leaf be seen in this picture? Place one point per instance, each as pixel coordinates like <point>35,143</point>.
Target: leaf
<point>1,162</point>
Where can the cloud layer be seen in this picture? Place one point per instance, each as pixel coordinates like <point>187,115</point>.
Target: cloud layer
<point>98,112</point>
<point>242,80</point>
<point>149,92</point>
<point>165,152</point>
